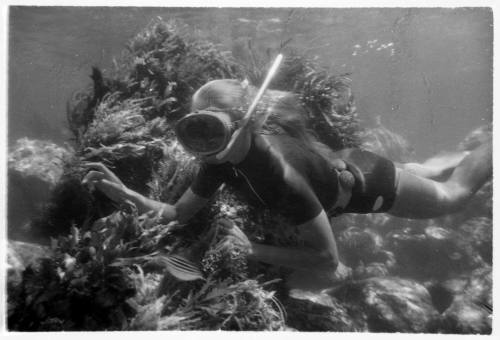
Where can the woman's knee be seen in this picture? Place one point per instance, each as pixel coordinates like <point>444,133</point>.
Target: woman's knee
<point>457,195</point>
<point>450,196</point>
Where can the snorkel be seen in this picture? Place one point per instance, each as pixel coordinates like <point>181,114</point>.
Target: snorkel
<point>248,122</point>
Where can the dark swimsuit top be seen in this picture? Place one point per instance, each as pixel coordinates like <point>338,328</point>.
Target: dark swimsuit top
<point>279,173</point>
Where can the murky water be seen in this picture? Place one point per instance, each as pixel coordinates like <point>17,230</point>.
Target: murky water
<point>427,72</point>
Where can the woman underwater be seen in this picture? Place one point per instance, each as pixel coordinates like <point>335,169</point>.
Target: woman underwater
<point>285,169</point>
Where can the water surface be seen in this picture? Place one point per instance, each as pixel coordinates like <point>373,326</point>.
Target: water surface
<point>427,72</point>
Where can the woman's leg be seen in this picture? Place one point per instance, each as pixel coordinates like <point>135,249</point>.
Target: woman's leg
<point>439,167</point>
<point>418,197</point>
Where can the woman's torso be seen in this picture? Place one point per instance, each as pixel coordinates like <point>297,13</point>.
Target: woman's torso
<point>278,172</point>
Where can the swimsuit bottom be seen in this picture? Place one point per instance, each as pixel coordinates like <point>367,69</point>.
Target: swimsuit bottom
<point>375,186</point>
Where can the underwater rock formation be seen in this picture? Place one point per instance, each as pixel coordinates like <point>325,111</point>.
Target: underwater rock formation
<point>466,317</point>
<point>34,169</point>
<point>388,304</point>
<point>40,159</point>
<point>470,311</point>
<point>21,255</point>
<point>479,232</point>
<point>364,251</point>
<point>434,252</point>
<point>316,312</point>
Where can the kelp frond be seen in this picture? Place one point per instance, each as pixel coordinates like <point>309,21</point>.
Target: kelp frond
<point>327,98</point>
<point>243,305</point>
<point>164,62</point>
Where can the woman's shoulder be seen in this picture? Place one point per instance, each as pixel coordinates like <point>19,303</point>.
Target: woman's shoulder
<point>279,142</point>
<point>284,154</point>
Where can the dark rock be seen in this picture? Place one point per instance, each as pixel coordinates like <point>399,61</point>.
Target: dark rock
<point>441,297</point>
<point>318,312</point>
<point>389,304</point>
<point>70,203</point>
<point>465,302</point>
<point>34,169</point>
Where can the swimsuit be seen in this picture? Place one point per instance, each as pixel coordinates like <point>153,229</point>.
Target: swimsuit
<point>375,186</point>
<point>281,173</point>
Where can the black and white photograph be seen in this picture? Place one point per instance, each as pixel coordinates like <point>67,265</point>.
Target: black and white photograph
<point>285,167</point>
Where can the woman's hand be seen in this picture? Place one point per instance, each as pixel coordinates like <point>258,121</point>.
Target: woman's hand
<point>319,280</point>
<point>105,181</point>
<point>342,273</point>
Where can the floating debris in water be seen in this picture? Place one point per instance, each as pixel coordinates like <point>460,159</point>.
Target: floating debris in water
<point>372,44</point>
<point>455,256</point>
<point>275,20</point>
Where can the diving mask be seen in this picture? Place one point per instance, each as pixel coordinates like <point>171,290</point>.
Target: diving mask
<point>205,133</point>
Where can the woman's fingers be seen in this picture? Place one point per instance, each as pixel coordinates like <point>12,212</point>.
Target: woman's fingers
<point>98,166</point>
<point>115,191</point>
<point>342,272</point>
<point>93,176</point>
<point>94,165</point>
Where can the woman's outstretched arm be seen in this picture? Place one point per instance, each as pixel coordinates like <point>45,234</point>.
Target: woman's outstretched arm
<point>186,207</point>
<point>106,181</point>
<point>320,255</point>
<point>320,251</point>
